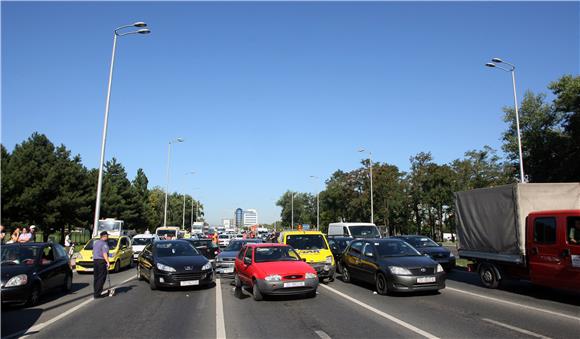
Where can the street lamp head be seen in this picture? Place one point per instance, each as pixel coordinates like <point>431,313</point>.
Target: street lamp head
<point>140,24</point>
<point>180,140</point>
<point>144,31</point>
<point>490,64</point>
<point>498,60</point>
<point>361,150</point>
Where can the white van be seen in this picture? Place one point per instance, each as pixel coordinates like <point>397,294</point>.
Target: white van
<point>353,230</point>
<point>139,242</point>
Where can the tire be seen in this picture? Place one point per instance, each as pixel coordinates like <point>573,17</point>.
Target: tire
<point>311,294</point>
<point>237,281</point>
<point>338,267</point>
<point>381,284</point>
<point>117,268</point>
<point>34,296</point>
<point>346,275</point>
<point>488,276</point>
<point>152,283</point>
<point>139,275</point>
<point>256,292</point>
<point>67,287</point>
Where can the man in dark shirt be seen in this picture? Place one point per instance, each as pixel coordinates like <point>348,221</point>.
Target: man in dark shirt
<point>101,262</point>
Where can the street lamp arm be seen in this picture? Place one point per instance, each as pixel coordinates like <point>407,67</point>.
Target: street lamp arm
<point>122,27</point>
<point>123,34</point>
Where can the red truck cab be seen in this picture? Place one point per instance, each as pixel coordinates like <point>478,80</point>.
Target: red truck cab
<point>553,248</point>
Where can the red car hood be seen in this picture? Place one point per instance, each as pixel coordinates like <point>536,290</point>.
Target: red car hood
<point>284,268</point>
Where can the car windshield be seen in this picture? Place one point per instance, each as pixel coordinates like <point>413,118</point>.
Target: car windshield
<point>19,255</point>
<point>421,242</point>
<point>307,242</point>
<point>275,253</point>
<point>111,242</point>
<point>364,232</point>
<point>175,249</point>
<point>237,245</point>
<point>163,233</point>
<point>203,243</point>
<point>141,241</point>
<point>224,236</point>
<point>340,243</point>
<point>395,249</point>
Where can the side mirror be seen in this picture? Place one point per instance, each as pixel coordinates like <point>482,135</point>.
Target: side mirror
<point>247,261</point>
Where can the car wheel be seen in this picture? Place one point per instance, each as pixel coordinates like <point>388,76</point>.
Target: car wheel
<point>488,276</point>
<point>139,275</point>
<point>256,292</point>
<point>117,266</point>
<point>152,283</point>
<point>67,287</point>
<point>237,281</point>
<point>345,275</point>
<point>311,294</point>
<point>34,296</point>
<point>381,284</point>
<point>338,267</point>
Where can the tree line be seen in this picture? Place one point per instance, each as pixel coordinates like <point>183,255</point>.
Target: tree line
<point>45,185</point>
<point>420,201</point>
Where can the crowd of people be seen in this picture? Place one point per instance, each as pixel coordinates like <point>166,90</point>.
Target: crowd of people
<point>18,235</point>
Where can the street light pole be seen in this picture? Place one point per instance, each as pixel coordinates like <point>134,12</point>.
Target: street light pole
<point>371,179</point>
<point>512,70</point>
<point>317,204</point>
<point>167,184</point>
<point>106,122</point>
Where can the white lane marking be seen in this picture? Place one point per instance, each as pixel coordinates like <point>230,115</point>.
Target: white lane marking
<point>382,314</point>
<point>220,323</point>
<point>558,314</point>
<point>322,335</point>
<point>517,329</point>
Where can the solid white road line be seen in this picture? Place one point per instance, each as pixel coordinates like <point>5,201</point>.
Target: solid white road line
<point>558,314</point>
<point>322,335</point>
<point>517,329</point>
<point>220,324</point>
<point>382,314</point>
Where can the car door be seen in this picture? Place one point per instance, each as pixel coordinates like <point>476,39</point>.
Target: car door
<point>571,253</point>
<point>61,263</point>
<point>368,263</point>
<point>127,251</point>
<point>146,260</point>
<point>546,263</point>
<point>352,258</point>
<point>239,263</point>
<point>47,270</point>
<point>246,275</point>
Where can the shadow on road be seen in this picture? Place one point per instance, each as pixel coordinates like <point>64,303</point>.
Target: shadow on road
<point>519,287</point>
<point>25,319</point>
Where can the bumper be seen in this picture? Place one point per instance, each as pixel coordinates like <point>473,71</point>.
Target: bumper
<point>400,283</point>
<point>324,270</point>
<point>277,287</point>
<point>136,255</point>
<point>15,295</point>
<point>225,268</point>
<point>448,263</point>
<point>88,266</point>
<point>184,279</point>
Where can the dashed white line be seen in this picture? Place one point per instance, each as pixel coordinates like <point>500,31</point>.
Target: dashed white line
<point>220,324</point>
<point>322,334</point>
<point>558,314</point>
<point>382,314</point>
<point>517,329</point>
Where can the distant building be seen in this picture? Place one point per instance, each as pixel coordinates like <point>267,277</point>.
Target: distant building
<point>239,218</point>
<point>228,223</point>
<point>250,217</point>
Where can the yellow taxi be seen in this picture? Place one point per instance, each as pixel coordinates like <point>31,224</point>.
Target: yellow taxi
<point>120,255</point>
<point>313,248</point>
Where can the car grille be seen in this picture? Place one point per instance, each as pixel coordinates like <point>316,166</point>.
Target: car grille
<point>439,255</point>
<point>86,264</point>
<point>229,259</point>
<point>293,276</point>
<point>417,271</point>
<point>187,276</point>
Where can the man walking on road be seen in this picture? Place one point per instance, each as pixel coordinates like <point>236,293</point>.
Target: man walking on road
<point>101,263</point>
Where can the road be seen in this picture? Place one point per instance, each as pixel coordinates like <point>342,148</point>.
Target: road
<point>340,310</point>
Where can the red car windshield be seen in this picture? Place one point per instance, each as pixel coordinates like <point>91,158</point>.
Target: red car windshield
<point>275,253</point>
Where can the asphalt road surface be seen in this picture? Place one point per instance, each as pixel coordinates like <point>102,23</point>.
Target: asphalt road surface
<point>463,310</point>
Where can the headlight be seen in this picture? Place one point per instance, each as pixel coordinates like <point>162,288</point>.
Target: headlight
<point>206,267</point>
<point>396,270</point>
<point>329,259</point>
<point>165,268</point>
<point>311,276</point>
<point>17,280</point>
<point>451,255</point>
<point>273,277</point>
<point>439,268</point>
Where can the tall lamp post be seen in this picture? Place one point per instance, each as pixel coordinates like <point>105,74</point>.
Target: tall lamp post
<point>371,177</point>
<point>317,203</point>
<point>292,211</point>
<point>168,171</point>
<point>512,70</point>
<point>107,104</point>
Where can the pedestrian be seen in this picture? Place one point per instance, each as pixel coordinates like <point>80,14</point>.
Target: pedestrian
<point>14,236</point>
<point>2,234</point>
<point>33,233</point>
<point>67,242</point>
<point>100,263</point>
<point>24,236</point>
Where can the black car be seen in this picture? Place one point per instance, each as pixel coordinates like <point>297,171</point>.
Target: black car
<point>31,269</point>
<point>392,265</point>
<point>337,247</point>
<point>174,263</point>
<point>426,245</point>
<point>226,259</point>
<point>206,247</point>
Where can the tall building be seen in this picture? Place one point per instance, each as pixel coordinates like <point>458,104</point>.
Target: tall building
<point>250,217</point>
<point>239,218</point>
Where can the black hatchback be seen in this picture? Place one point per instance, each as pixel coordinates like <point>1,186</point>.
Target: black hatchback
<point>31,269</point>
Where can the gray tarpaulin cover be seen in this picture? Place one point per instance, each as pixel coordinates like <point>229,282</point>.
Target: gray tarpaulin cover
<point>493,219</point>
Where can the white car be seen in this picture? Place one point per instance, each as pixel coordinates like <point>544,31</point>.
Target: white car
<point>139,242</point>
<point>224,240</point>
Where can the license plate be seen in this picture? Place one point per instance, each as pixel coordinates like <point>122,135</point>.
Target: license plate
<point>425,280</point>
<point>189,283</point>
<point>88,269</point>
<point>228,270</point>
<point>294,284</point>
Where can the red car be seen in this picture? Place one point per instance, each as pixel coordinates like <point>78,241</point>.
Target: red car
<point>273,269</point>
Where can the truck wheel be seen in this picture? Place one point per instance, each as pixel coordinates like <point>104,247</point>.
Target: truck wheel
<point>488,276</point>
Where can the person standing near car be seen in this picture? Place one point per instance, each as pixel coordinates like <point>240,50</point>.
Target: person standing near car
<point>24,236</point>
<point>32,233</point>
<point>100,263</point>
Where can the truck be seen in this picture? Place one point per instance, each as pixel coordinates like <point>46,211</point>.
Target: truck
<point>197,228</point>
<point>113,226</point>
<point>524,231</point>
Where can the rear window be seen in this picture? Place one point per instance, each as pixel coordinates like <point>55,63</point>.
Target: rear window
<point>306,242</point>
<point>111,242</point>
<point>142,241</point>
<point>545,230</point>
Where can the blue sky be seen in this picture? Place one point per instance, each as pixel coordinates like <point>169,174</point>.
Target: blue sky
<point>267,94</point>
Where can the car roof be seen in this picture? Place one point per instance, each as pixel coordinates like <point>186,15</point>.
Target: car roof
<point>266,244</point>
<point>352,224</point>
<point>302,232</point>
